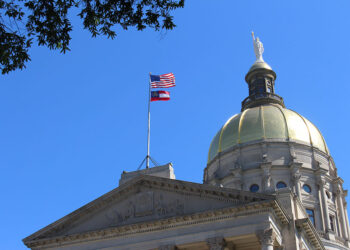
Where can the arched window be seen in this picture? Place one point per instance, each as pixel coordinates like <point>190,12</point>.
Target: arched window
<point>307,188</point>
<point>254,188</point>
<point>281,184</point>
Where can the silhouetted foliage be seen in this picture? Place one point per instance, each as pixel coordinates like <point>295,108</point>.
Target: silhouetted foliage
<point>47,22</point>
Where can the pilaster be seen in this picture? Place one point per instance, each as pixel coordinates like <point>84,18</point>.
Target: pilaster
<point>236,176</point>
<point>347,223</point>
<point>340,202</point>
<point>324,208</point>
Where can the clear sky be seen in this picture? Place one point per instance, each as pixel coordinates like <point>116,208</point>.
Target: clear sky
<point>70,124</point>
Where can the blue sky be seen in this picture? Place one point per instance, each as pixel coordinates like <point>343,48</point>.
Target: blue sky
<point>70,124</point>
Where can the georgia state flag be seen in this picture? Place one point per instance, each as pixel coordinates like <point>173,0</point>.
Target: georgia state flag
<point>160,95</point>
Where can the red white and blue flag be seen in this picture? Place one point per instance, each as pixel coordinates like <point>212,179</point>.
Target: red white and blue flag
<point>160,95</point>
<point>163,81</point>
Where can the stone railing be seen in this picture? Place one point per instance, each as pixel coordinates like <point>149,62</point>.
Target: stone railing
<point>261,97</point>
<point>340,240</point>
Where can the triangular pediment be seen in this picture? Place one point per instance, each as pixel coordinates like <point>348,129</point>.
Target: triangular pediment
<point>146,199</point>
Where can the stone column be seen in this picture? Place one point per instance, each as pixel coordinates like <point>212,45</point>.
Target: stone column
<point>321,183</point>
<point>337,219</point>
<point>267,239</point>
<point>296,178</point>
<point>216,243</point>
<point>342,213</point>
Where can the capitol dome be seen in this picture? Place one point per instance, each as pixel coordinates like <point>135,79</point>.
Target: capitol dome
<point>270,149</point>
<point>266,122</point>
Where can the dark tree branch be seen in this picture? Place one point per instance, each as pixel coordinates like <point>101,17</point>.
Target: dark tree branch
<point>47,22</point>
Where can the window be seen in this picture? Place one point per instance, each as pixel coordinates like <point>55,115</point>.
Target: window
<point>260,89</point>
<point>311,215</point>
<point>331,221</point>
<point>281,184</point>
<point>307,188</point>
<point>254,188</point>
<point>251,89</point>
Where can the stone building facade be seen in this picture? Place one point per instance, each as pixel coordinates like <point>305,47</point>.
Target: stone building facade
<point>270,183</point>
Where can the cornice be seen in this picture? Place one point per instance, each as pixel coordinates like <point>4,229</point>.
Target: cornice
<point>203,217</point>
<point>186,188</point>
<point>311,233</point>
<point>289,142</point>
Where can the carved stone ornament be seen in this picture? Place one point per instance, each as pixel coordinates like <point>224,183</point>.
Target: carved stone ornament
<point>267,182</point>
<point>267,237</point>
<point>145,204</point>
<point>258,48</point>
<point>296,177</point>
<point>321,182</point>
<point>216,243</point>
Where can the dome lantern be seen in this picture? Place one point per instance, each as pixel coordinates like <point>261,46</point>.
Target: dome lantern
<point>261,81</point>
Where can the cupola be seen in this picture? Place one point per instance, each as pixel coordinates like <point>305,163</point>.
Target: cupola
<point>261,81</point>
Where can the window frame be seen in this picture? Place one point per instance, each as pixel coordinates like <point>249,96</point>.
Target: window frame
<point>281,182</point>
<point>254,185</point>
<point>308,186</point>
<point>311,218</point>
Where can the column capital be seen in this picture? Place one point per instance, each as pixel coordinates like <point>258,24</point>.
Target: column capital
<point>296,175</point>
<point>167,247</point>
<point>267,237</point>
<point>216,243</point>
<point>321,182</point>
<point>338,180</point>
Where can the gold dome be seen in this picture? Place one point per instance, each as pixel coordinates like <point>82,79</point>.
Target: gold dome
<point>266,122</point>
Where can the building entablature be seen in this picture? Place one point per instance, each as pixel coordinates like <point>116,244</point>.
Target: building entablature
<point>181,207</point>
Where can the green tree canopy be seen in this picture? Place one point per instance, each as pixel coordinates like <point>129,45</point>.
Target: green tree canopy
<point>47,23</point>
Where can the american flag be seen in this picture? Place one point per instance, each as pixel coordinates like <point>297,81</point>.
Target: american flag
<point>163,81</point>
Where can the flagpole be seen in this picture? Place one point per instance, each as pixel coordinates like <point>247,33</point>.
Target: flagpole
<point>149,121</point>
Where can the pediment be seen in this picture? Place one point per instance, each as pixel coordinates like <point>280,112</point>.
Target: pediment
<point>146,199</point>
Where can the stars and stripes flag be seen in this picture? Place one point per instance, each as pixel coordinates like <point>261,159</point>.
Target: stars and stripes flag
<point>162,81</point>
<point>160,95</point>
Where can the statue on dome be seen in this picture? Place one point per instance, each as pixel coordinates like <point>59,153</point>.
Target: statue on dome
<point>258,48</point>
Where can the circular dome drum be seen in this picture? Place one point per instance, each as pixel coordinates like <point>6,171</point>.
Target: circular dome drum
<point>266,122</point>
